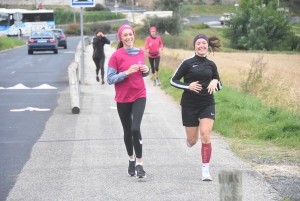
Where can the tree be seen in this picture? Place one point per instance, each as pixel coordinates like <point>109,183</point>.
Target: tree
<point>177,6</point>
<point>258,28</point>
<point>173,25</point>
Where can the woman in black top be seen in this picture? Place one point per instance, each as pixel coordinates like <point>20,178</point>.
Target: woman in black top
<point>200,80</point>
<point>99,56</point>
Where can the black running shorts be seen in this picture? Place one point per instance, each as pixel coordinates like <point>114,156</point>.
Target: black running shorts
<point>192,115</point>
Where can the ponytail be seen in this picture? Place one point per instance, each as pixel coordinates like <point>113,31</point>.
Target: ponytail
<point>214,44</point>
<point>120,45</point>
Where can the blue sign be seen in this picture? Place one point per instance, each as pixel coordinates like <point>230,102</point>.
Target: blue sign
<point>82,3</point>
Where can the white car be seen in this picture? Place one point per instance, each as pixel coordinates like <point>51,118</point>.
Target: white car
<point>226,17</point>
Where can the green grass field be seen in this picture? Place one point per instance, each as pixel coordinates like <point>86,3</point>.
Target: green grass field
<point>7,43</point>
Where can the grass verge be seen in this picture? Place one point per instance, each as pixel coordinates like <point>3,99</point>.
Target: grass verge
<point>255,132</point>
<point>7,43</point>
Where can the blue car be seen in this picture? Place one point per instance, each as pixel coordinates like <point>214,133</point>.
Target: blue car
<point>42,40</point>
<point>61,37</point>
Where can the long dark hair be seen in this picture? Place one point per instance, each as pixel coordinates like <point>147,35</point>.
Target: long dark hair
<point>120,45</point>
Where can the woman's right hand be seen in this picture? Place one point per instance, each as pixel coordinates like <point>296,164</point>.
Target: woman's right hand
<point>195,86</point>
<point>132,69</point>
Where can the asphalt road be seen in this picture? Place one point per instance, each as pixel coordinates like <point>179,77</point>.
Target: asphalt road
<point>29,90</point>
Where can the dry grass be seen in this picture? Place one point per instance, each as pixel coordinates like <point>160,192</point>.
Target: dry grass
<point>280,81</point>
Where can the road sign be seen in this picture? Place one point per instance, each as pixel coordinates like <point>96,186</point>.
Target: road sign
<point>18,23</point>
<point>280,9</point>
<point>18,16</point>
<point>82,3</point>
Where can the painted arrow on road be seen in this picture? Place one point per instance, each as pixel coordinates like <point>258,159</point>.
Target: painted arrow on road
<point>30,109</point>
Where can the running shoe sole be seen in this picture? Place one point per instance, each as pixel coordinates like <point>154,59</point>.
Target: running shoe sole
<point>139,177</point>
<point>206,178</point>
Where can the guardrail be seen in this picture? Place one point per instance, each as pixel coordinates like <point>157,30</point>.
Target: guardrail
<point>75,76</point>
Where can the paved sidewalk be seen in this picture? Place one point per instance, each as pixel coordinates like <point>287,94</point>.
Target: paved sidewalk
<point>83,157</point>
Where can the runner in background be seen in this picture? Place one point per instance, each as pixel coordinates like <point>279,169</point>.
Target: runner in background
<point>99,55</point>
<point>154,45</point>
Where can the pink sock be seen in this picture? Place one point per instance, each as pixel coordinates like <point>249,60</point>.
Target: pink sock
<point>206,152</point>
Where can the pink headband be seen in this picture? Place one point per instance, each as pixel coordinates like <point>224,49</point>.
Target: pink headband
<point>152,29</point>
<point>125,26</point>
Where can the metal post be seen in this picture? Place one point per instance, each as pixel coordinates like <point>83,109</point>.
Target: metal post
<point>18,26</point>
<point>82,44</point>
<point>35,4</point>
<point>132,2</point>
<point>74,16</point>
<point>278,3</point>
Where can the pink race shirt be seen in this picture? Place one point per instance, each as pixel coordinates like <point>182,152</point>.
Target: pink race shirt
<point>156,43</point>
<point>132,87</point>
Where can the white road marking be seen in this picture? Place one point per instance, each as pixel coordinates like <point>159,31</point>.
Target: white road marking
<point>113,108</point>
<point>13,72</point>
<point>69,52</point>
<point>18,86</point>
<point>44,86</point>
<point>21,86</point>
<point>30,109</point>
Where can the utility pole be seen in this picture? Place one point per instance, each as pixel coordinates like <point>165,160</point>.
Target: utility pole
<point>35,4</point>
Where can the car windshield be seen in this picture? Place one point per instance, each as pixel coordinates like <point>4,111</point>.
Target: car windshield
<point>57,32</point>
<point>41,34</point>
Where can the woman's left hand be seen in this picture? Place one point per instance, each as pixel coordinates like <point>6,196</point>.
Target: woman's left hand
<point>144,68</point>
<point>212,87</point>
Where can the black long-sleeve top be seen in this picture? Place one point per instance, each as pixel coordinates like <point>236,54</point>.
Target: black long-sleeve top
<point>194,69</point>
<point>98,45</point>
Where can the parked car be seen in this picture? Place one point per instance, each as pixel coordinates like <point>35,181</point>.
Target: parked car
<point>61,37</point>
<point>226,17</point>
<point>42,40</point>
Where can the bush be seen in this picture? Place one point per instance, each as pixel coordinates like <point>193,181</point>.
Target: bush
<point>199,26</point>
<point>292,42</point>
<point>298,47</point>
<point>74,29</point>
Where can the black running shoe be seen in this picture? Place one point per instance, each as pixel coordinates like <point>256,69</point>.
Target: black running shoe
<point>97,78</point>
<point>131,168</point>
<point>139,171</point>
<point>102,82</point>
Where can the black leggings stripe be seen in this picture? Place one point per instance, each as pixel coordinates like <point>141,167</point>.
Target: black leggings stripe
<point>131,115</point>
<point>154,63</point>
<point>99,62</point>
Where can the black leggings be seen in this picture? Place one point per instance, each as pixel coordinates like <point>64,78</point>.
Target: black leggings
<point>131,115</point>
<point>154,63</point>
<point>99,62</point>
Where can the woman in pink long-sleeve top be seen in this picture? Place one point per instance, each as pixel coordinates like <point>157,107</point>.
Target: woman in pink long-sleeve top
<point>126,69</point>
<point>154,45</point>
